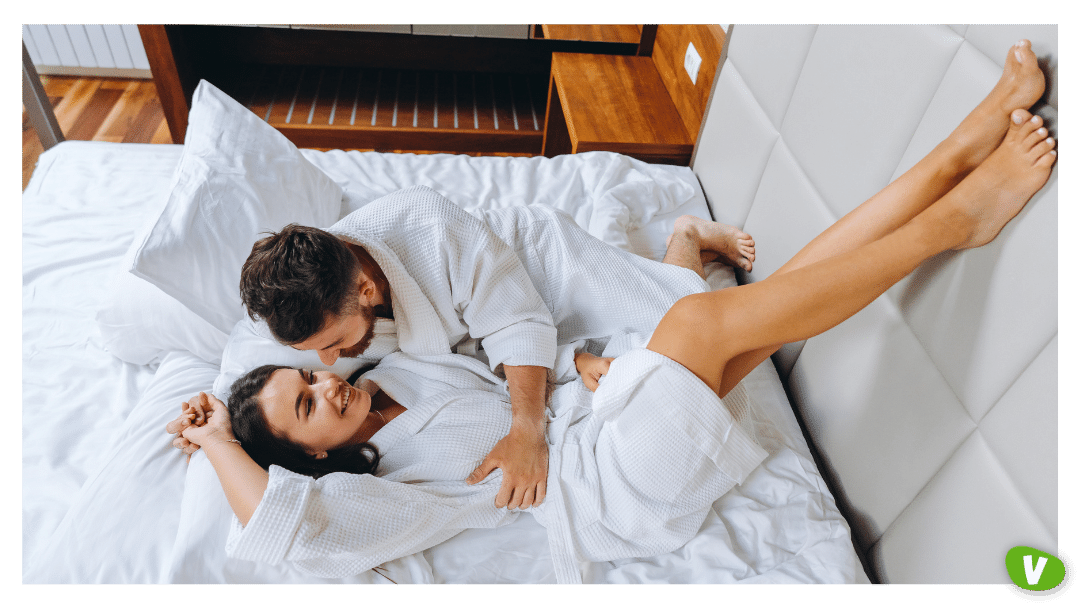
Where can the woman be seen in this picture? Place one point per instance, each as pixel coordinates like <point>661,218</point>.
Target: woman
<point>960,196</point>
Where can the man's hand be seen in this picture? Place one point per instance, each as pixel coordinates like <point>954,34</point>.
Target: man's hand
<point>523,457</point>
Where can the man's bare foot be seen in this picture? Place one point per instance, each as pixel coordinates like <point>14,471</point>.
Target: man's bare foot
<point>1021,85</point>
<point>1000,187</point>
<point>717,241</point>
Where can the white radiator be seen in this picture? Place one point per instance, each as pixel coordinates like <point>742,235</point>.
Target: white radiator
<point>87,50</point>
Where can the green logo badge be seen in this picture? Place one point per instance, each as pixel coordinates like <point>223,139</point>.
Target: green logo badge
<point>1034,570</point>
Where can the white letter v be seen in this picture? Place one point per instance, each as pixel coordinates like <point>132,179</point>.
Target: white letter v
<point>1033,575</point>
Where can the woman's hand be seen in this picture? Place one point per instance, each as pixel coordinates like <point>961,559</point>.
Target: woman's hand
<point>203,421</point>
<point>591,368</point>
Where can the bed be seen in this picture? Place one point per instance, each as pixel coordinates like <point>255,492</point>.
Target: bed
<point>106,499</point>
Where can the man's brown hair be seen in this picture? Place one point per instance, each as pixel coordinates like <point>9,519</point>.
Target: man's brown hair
<point>295,278</point>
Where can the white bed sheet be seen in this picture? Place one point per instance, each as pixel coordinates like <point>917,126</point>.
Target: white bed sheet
<point>80,212</point>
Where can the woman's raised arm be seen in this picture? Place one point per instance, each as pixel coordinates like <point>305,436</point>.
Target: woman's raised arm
<point>243,480</point>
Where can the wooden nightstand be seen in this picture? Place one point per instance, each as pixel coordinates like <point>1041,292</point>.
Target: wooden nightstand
<point>644,107</point>
<point>615,103</point>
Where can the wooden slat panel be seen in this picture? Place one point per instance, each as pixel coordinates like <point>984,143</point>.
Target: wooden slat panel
<point>344,113</point>
<point>505,109</point>
<point>669,52</point>
<point>446,100</point>
<point>259,92</point>
<point>386,100</point>
<point>426,94</point>
<point>366,97</point>
<point>406,98</point>
<point>306,95</point>
<point>485,109</point>
<point>331,87</point>
<point>284,94</point>
<point>408,138</point>
<point>528,119</point>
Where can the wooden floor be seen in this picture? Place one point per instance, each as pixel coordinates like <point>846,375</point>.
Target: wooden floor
<point>116,110</point>
<point>98,109</point>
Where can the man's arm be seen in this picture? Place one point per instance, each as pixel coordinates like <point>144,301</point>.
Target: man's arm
<point>523,453</point>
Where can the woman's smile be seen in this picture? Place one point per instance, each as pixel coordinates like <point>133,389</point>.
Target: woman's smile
<point>316,409</point>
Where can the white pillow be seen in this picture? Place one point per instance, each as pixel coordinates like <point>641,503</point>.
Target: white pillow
<point>140,323</point>
<point>238,177</point>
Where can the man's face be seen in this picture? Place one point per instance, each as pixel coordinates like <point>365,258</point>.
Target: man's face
<point>346,335</point>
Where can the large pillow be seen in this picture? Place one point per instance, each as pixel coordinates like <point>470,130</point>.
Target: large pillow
<point>237,178</point>
<point>139,324</point>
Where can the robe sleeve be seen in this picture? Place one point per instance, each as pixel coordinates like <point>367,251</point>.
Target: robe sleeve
<point>498,300</point>
<point>343,524</point>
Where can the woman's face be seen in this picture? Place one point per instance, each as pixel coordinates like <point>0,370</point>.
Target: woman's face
<point>317,410</point>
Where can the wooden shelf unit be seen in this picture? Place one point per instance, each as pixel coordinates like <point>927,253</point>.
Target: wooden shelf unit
<point>263,67</point>
<point>396,109</point>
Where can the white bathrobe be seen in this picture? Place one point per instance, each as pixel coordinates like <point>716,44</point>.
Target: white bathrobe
<point>506,279</point>
<point>525,284</point>
<point>632,472</point>
<point>503,280</point>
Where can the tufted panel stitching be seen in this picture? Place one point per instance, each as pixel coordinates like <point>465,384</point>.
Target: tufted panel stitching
<point>1018,490</point>
<point>772,147</point>
<point>780,127</point>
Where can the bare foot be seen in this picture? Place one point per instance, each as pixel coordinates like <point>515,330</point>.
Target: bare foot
<point>717,241</point>
<point>1021,85</point>
<point>1000,187</point>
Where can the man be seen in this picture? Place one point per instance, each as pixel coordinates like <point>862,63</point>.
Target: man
<point>525,282</point>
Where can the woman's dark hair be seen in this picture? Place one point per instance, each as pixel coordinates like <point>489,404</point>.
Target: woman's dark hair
<point>296,277</point>
<point>266,448</point>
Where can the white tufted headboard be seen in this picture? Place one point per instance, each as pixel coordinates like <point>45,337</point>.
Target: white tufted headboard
<point>934,410</point>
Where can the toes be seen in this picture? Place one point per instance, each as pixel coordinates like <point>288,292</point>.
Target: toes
<point>1021,49</point>
<point>1046,160</point>
<point>1043,146</point>
<point>1036,137</point>
<point>1019,116</point>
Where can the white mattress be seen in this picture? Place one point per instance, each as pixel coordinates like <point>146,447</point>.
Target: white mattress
<point>102,489</point>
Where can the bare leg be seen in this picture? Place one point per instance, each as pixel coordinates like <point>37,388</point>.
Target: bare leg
<point>980,133</point>
<point>706,332</point>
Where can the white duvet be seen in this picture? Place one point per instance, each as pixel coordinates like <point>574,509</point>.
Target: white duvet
<point>105,499</point>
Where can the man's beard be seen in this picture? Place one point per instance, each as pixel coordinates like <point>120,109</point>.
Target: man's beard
<point>368,315</point>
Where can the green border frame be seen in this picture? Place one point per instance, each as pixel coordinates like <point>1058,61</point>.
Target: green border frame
<point>566,11</point>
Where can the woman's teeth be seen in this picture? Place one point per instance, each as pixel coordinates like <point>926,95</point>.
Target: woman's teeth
<point>348,393</point>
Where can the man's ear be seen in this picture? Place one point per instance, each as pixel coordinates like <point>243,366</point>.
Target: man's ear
<point>319,455</point>
<point>366,291</point>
